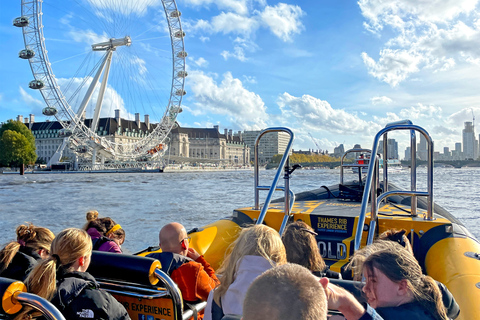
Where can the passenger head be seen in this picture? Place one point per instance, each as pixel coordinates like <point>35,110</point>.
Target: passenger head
<point>173,238</point>
<point>394,277</point>
<point>70,251</point>
<point>114,231</point>
<point>36,238</point>
<point>397,236</point>
<point>285,292</point>
<point>105,226</point>
<point>301,246</point>
<point>258,240</point>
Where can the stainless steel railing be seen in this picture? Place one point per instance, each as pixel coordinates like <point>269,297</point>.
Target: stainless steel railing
<point>371,179</point>
<point>289,196</point>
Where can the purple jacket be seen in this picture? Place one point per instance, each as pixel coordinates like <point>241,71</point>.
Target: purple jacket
<point>109,246</point>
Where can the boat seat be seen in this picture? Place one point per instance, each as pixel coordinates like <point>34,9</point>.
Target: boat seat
<point>141,286</point>
<point>14,296</point>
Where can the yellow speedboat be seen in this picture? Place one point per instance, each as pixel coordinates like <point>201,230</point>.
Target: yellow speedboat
<point>346,216</point>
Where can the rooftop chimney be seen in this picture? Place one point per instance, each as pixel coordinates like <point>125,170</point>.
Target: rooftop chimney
<point>216,127</point>
<point>225,132</point>
<point>20,118</point>
<point>26,120</point>
<point>32,120</point>
<point>147,121</point>
<point>137,119</point>
<point>117,116</point>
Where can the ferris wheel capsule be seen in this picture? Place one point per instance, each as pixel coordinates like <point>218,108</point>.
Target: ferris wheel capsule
<point>182,74</point>
<point>26,54</point>
<point>20,21</point>
<point>36,84</point>
<point>179,34</point>
<point>49,111</point>
<point>180,92</point>
<point>65,132</point>
<point>182,54</point>
<point>175,14</point>
<point>176,109</point>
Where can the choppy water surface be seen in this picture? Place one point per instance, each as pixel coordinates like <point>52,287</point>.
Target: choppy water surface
<point>143,202</point>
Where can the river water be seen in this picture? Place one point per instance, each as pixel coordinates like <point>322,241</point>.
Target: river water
<point>143,202</point>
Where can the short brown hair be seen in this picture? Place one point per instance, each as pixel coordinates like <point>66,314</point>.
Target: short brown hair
<point>285,292</point>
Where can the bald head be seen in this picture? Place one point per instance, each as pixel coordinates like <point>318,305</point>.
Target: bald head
<point>171,237</point>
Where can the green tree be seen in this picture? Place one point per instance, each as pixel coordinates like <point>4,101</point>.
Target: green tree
<point>17,144</point>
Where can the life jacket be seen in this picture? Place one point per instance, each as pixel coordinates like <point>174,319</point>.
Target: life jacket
<point>170,261</point>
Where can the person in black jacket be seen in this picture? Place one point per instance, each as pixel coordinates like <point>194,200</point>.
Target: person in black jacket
<point>62,279</point>
<point>301,247</point>
<point>20,256</point>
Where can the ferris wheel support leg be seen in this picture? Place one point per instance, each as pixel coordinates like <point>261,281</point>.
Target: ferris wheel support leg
<point>90,90</point>
<point>58,154</point>
<point>101,93</point>
<point>94,158</point>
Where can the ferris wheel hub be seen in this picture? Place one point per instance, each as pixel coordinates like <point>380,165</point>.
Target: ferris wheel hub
<point>112,44</point>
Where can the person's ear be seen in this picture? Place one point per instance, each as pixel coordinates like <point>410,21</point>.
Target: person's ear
<point>403,287</point>
<point>81,261</point>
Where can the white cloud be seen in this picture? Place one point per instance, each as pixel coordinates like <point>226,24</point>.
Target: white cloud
<point>244,108</point>
<point>394,66</point>
<point>433,35</point>
<point>421,111</point>
<point>204,39</point>
<point>381,100</point>
<point>29,100</point>
<point>380,13</point>
<point>313,113</point>
<point>238,54</point>
<point>233,23</point>
<point>283,20</point>
<point>238,6</point>
<point>247,79</point>
<point>201,62</point>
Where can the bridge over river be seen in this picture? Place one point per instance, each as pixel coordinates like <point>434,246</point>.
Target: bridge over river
<point>334,164</point>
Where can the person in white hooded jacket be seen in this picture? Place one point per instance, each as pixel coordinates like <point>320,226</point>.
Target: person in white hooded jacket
<point>257,249</point>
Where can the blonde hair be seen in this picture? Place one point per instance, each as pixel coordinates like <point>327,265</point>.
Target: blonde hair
<point>67,247</point>
<point>29,236</point>
<point>301,246</point>
<point>398,264</point>
<point>91,215</point>
<point>258,240</point>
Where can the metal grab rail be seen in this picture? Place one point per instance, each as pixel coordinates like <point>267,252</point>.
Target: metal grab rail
<point>371,178</point>
<point>359,166</point>
<point>173,290</point>
<point>44,306</point>
<point>273,187</point>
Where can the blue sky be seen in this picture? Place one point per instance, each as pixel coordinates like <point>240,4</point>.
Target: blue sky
<point>339,70</point>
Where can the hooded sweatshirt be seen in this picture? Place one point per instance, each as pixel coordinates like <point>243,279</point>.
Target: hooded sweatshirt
<point>248,269</point>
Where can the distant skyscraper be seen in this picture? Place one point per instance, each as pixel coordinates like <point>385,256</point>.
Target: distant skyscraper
<point>408,155</point>
<point>422,152</point>
<point>470,149</point>
<point>339,151</point>
<point>446,152</point>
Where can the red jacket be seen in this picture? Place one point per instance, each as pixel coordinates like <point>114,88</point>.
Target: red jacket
<point>195,279</point>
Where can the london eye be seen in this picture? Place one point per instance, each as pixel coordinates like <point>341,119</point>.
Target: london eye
<point>106,58</point>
